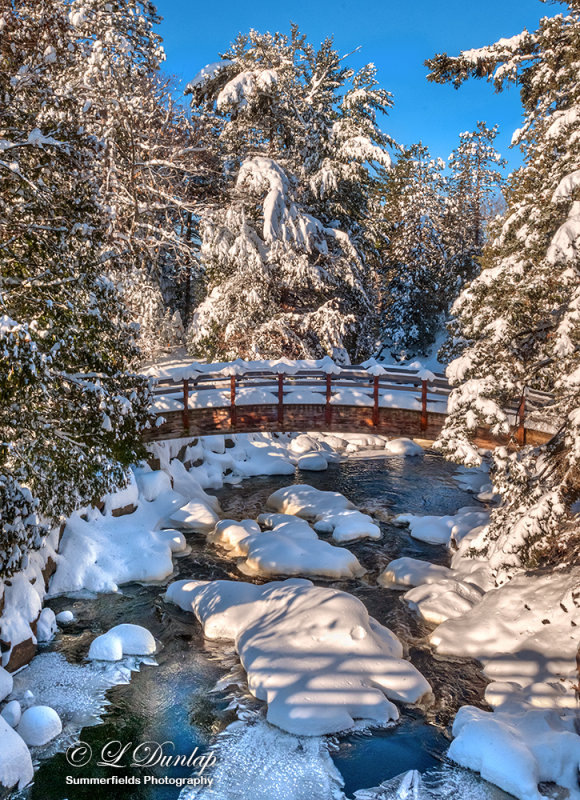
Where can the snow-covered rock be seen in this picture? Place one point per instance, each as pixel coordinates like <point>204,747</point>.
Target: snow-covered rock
<point>290,548</point>
<point>444,599</point>
<point>306,501</point>
<point>6,683</point>
<point>331,512</point>
<point>15,761</point>
<point>313,462</point>
<point>313,654</point>
<point>12,713</point>
<point>195,516</point>
<point>175,539</point>
<point>46,626</point>
<point>65,617</point>
<point>517,749</point>
<point>405,572</point>
<point>303,443</point>
<point>39,725</point>
<point>122,640</point>
<point>347,526</point>
<point>228,533</point>
<point>403,447</point>
<point>442,530</point>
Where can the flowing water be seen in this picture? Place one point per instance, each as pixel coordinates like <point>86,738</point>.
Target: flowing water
<point>177,701</point>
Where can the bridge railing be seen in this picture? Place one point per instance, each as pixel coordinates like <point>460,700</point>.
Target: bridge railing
<point>394,387</point>
<point>352,386</point>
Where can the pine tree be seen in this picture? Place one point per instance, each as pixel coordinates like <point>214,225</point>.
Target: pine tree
<point>520,318</point>
<point>288,253</point>
<point>473,184</point>
<point>153,163</point>
<point>415,260</point>
<point>70,411</point>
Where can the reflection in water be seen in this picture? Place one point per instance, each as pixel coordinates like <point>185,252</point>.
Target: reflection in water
<point>198,688</point>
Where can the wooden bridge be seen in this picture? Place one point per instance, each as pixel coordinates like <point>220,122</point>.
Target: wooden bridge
<point>396,402</point>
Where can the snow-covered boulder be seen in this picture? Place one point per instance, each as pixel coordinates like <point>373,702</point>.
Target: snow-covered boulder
<point>303,443</point>
<point>347,526</point>
<point>290,548</point>
<point>306,501</point>
<point>403,447</point>
<point>175,539</point>
<point>6,683</point>
<point>65,617</point>
<point>46,626</point>
<point>331,511</point>
<point>442,530</point>
<point>518,749</point>
<point>39,725</point>
<point>12,713</point>
<point>312,462</point>
<point>312,653</point>
<point>444,599</point>
<point>15,762</point>
<point>195,516</point>
<point>402,573</point>
<point>228,533</point>
<point>122,640</point>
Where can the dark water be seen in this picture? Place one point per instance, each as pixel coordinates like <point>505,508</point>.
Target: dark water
<point>174,701</point>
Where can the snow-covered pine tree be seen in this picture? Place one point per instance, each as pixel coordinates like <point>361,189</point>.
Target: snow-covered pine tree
<point>520,318</point>
<point>473,184</point>
<point>414,269</point>
<point>288,253</point>
<point>70,411</point>
<point>153,166</point>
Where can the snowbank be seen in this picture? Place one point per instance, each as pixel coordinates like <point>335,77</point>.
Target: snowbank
<point>313,654</point>
<point>99,553</point>
<point>524,632</point>
<point>23,597</point>
<point>331,512</point>
<point>122,640</point>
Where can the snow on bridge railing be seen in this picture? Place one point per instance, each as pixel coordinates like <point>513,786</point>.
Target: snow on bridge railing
<point>284,382</point>
<point>189,386</point>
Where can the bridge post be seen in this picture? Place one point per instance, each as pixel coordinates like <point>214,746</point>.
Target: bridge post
<point>521,432</point>
<point>328,407</point>
<point>376,401</point>
<point>233,414</point>
<point>281,400</point>
<point>424,418</point>
<point>186,404</point>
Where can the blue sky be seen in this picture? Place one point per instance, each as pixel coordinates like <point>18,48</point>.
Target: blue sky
<point>397,35</point>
